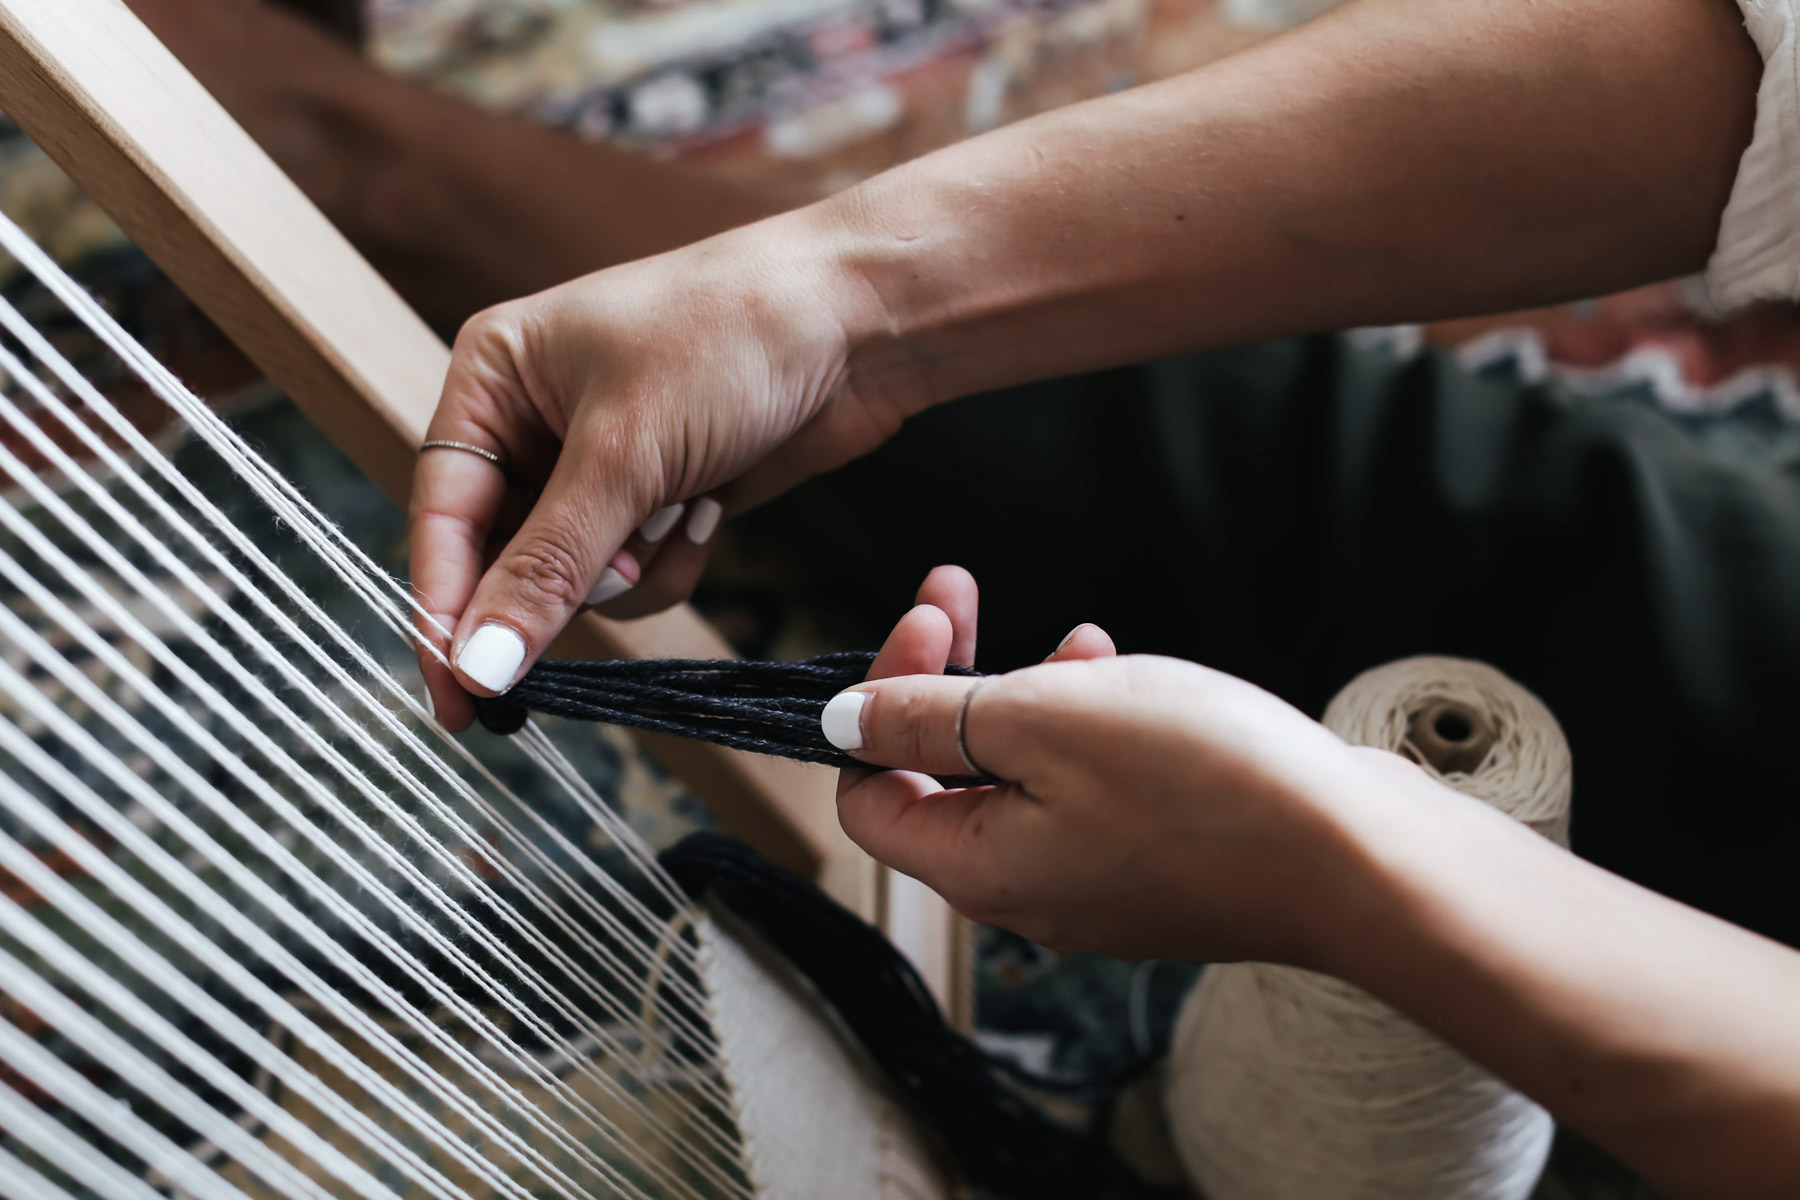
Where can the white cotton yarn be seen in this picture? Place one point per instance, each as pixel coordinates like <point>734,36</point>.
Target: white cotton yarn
<point>1288,1085</point>
<point>1526,774</point>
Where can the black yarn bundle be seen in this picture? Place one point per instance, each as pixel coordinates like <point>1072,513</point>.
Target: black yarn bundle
<point>763,707</point>
<point>1002,1143</point>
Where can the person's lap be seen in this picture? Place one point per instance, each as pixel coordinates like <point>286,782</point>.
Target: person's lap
<point>1297,512</point>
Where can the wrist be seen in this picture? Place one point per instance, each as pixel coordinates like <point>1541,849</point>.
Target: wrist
<point>956,272</point>
<point>845,254</point>
<point>1430,867</point>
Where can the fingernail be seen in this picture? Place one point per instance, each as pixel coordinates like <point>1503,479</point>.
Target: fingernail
<point>612,585</point>
<point>703,522</point>
<point>492,657</point>
<point>430,708</point>
<point>1070,636</point>
<point>657,526</point>
<point>842,720</point>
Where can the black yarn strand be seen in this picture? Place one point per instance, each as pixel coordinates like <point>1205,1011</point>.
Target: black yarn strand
<point>762,707</point>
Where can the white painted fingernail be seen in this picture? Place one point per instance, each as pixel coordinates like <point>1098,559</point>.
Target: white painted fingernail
<point>703,522</point>
<point>657,526</point>
<point>492,657</point>
<point>612,585</point>
<point>842,720</point>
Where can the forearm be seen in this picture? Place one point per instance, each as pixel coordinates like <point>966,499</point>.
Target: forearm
<point>1669,1037</point>
<point>1398,160</point>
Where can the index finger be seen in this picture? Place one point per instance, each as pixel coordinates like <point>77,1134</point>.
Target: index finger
<point>456,499</point>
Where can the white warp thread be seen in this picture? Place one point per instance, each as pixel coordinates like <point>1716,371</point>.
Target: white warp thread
<point>1288,1085</point>
<point>704,1144</point>
<point>134,599</point>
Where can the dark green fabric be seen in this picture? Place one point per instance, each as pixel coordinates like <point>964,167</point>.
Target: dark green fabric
<point>1297,512</point>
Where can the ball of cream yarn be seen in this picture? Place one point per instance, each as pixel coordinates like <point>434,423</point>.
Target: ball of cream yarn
<point>1288,1085</point>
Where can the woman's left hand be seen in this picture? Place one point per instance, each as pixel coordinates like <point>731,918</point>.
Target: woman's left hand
<point>1152,807</point>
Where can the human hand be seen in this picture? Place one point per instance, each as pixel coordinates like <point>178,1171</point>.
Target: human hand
<point>1153,808</point>
<point>653,397</point>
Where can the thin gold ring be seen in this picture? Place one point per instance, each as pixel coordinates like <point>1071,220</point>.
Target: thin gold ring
<point>466,449</point>
<point>962,727</point>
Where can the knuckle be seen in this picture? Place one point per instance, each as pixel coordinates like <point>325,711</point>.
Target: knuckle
<point>485,328</point>
<point>626,438</point>
<point>910,728</point>
<point>626,424</point>
<point>548,576</point>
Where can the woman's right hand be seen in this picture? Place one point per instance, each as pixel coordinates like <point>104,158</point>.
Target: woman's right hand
<point>673,390</point>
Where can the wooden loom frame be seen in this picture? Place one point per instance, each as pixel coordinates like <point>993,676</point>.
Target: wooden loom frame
<point>96,90</point>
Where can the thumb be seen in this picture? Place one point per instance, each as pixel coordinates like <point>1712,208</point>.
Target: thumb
<point>552,567</point>
<point>909,723</point>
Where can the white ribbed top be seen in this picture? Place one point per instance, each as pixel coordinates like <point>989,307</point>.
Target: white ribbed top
<point>1758,252</point>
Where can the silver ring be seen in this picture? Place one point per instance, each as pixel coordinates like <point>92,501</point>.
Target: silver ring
<point>962,726</point>
<point>466,449</point>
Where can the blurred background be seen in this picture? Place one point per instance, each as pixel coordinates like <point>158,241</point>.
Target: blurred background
<point>789,100</point>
